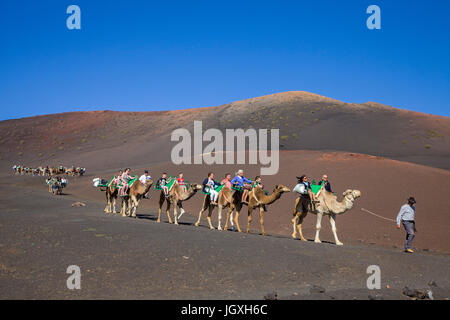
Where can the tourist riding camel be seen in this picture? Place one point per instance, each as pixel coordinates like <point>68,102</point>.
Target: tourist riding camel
<point>123,181</point>
<point>143,179</point>
<point>243,185</point>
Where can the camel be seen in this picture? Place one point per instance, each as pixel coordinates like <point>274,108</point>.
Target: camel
<point>42,171</point>
<point>328,205</point>
<point>235,207</point>
<point>80,171</point>
<point>224,200</point>
<point>184,193</point>
<point>135,192</point>
<point>258,199</point>
<point>111,193</point>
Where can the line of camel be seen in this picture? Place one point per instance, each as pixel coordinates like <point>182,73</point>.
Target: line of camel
<point>326,204</point>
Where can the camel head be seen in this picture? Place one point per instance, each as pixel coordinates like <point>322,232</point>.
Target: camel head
<point>351,194</point>
<point>196,187</point>
<point>280,188</point>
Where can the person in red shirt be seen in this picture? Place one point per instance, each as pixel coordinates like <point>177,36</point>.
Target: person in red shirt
<point>180,180</point>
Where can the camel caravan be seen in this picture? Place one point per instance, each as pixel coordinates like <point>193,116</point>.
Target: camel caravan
<point>56,184</point>
<point>230,194</point>
<point>48,171</point>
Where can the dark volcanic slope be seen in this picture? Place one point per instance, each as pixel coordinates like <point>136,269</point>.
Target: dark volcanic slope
<point>306,121</point>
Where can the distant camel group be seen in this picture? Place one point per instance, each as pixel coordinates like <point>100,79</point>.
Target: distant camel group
<point>48,171</point>
<point>326,204</point>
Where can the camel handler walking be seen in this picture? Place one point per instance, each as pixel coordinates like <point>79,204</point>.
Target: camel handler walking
<point>406,217</point>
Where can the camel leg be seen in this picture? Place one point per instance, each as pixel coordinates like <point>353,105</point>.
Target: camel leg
<point>175,213</point>
<point>261,220</point>
<point>299,225</point>
<point>108,203</point>
<point>124,208</point>
<point>181,210</point>
<point>168,211</point>
<point>232,221</point>
<point>250,213</point>
<point>236,221</point>
<point>161,203</point>
<point>318,226</point>
<point>199,216</point>
<point>219,218</point>
<point>226,220</point>
<point>294,225</point>
<point>210,210</point>
<point>159,215</point>
<point>295,219</point>
<point>135,202</point>
<point>127,206</point>
<point>333,228</point>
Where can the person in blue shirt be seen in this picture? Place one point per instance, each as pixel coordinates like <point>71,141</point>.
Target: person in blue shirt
<point>406,217</point>
<point>241,182</point>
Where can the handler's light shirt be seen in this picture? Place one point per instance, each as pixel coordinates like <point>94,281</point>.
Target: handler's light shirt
<point>406,213</point>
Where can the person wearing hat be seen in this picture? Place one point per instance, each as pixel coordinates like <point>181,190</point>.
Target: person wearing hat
<point>406,217</point>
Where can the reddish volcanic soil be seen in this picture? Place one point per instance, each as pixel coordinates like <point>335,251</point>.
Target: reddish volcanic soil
<point>384,184</point>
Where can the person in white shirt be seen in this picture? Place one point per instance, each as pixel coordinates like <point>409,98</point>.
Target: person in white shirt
<point>406,217</point>
<point>143,179</point>
<point>306,195</point>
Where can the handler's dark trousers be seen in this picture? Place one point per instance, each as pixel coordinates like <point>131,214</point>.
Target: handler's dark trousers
<point>409,227</point>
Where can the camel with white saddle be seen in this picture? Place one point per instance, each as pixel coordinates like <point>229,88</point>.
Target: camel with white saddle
<point>184,194</point>
<point>327,205</point>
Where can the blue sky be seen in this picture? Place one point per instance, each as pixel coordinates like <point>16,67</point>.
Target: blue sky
<point>145,55</point>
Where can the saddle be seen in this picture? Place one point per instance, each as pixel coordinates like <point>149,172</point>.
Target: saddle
<point>217,189</point>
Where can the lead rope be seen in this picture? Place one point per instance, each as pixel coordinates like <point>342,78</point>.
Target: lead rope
<point>376,215</point>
